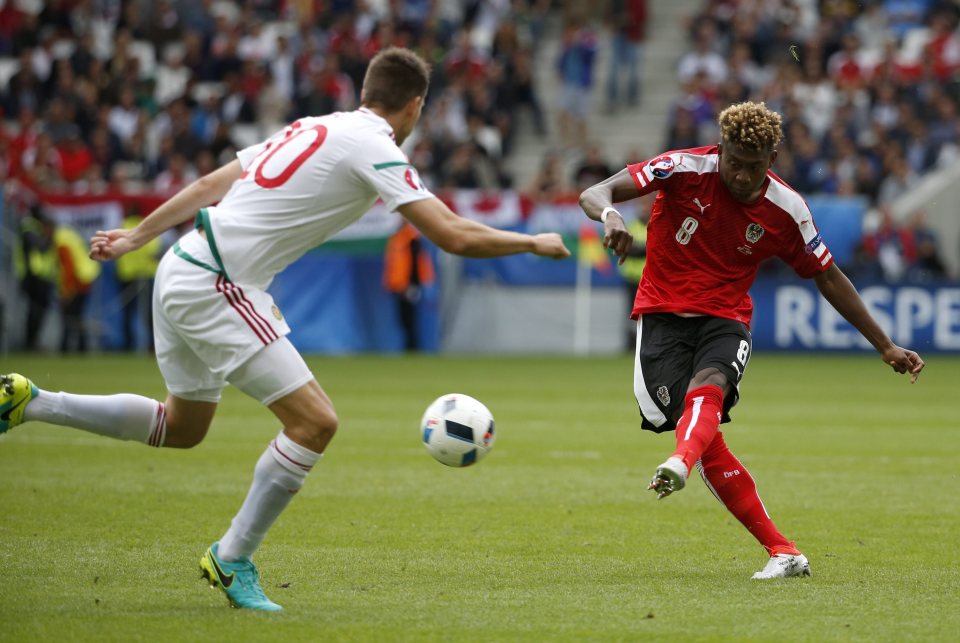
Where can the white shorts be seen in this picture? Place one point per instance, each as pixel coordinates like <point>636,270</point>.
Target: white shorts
<point>209,331</point>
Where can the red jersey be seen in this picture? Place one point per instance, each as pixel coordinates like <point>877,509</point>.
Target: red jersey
<point>704,247</point>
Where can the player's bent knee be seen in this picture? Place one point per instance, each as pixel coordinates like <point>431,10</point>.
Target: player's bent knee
<point>184,437</point>
<point>314,428</point>
<point>324,424</point>
<point>707,377</point>
<point>187,421</point>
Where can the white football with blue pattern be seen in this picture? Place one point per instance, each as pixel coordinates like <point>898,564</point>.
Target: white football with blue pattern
<point>457,430</point>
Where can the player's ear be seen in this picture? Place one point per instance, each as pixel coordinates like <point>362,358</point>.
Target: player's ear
<point>414,105</point>
<point>773,157</point>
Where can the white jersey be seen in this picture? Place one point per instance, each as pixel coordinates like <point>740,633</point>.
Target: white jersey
<point>303,185</point>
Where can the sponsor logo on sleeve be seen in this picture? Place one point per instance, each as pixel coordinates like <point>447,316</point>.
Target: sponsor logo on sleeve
<point>814,244</point>
<point>661,167</point>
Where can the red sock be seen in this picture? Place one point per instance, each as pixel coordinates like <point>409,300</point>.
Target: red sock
<point>702,410</point>
<point>733,485</point>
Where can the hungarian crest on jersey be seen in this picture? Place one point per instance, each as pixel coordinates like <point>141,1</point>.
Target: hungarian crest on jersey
<point>754,232</point>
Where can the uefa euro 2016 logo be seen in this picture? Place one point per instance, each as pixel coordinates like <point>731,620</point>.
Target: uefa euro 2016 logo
<point>661,167</point>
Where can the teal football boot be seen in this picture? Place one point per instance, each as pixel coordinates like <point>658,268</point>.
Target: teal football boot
<point>15,392</point>
<point>239,580</point>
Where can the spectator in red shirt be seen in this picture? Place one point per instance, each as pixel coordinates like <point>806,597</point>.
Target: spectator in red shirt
<point>943,49</point>
<point>844,66</point>
<point>75,156</point>
<point>41,163</point>
<point>28,128</point>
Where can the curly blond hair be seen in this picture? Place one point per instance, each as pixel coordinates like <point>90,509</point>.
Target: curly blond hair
<point>751,126</point>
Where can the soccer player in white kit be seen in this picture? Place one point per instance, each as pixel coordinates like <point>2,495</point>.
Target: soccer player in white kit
<point>215,323</point>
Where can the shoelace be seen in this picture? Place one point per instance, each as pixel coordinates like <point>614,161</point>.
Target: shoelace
<point>249,579</point>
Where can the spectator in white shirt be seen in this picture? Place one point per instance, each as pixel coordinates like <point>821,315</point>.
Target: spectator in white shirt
<point>125,115</point>
<point>703,57</point>
<point>172,78</point>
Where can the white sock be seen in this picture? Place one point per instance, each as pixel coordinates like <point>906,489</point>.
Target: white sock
<point>278,476</point>
<point>123,416</point>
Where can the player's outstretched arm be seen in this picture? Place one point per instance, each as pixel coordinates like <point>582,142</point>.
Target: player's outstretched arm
<point>110,244</point>
<point>599,198</point>
<point>461,236</point>
<point>837,289</point>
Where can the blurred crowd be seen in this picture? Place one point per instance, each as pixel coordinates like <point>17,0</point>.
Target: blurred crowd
<point>869,92</point>
<point>134,96</point>
<point>131,95</point>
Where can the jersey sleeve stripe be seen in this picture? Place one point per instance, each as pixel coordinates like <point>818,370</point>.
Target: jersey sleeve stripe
<point>389,164</point>
<point>638,179</point>
<point>826,259</point>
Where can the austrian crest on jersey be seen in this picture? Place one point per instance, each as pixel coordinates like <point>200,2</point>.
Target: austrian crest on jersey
<point>754,232</point>
<point>663,394</point>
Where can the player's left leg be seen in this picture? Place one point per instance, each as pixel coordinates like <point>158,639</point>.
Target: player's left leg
<point>733,485</point>
<point>279,378</point>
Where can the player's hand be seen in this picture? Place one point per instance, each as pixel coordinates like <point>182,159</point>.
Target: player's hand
<point>550,244</point>
<point>903,361</point>
<point>617,238</point>
<point>111,244</point>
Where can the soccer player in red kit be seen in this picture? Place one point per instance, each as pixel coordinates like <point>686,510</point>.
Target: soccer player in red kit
<point>719,213</point>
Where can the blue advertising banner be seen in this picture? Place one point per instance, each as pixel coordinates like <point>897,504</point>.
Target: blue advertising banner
<point>336,303</point>
<point>793,316</point>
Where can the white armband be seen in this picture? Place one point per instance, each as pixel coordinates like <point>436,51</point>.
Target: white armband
<point>607,210</point>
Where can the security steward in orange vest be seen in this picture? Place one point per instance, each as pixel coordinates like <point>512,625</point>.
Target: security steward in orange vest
<point>407,269</point>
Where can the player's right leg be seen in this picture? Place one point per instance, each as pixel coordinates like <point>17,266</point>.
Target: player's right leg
<point>178,423</point>
<point>16,392</point>
<point>721,352</point>
<point>181,422</point>
<point>664,358</point>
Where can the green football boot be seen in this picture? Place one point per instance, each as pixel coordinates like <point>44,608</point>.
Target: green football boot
<point>15,392</point>
<point>239,580</point>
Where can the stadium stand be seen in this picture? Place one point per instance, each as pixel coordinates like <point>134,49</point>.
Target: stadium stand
<point>869,91</point>
<point>252,68</point>
<point>130,99</point>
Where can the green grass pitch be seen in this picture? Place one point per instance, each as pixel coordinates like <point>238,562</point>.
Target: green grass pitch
<point>552,537</point>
